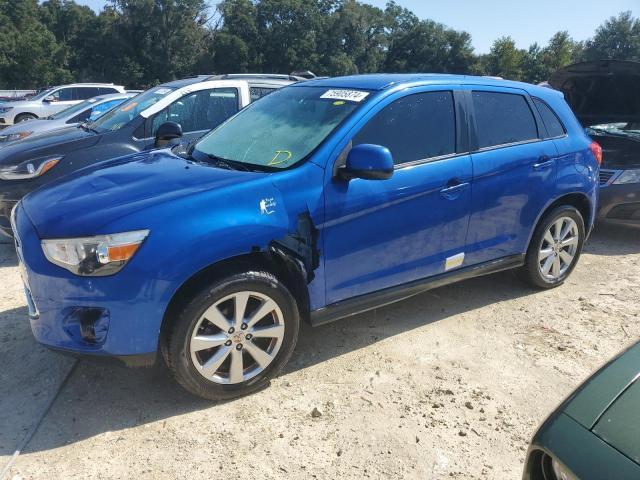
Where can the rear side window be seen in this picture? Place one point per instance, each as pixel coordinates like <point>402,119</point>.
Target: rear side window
<point>258,92</point>
<point>503,118</point>
<point>550,119</point>
<point>415,127</point>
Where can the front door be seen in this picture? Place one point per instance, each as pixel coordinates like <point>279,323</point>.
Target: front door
<point>383,233</point>
<point>198,112</point>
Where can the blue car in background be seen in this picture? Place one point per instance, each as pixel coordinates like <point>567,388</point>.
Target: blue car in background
<point>322,200</point>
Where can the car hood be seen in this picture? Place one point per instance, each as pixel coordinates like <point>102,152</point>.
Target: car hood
<point>83,202</point>
<point>619,426</point>
<point>603,91</point>
<point>20,104</point>
<point>591,401</point>
<point>35,126</point>
<point>55,142</point>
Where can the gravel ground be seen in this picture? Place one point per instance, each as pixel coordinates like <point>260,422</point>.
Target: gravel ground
<point>448,384</point>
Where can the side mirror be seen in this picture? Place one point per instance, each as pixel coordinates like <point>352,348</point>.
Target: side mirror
<point>166,132</point>
<point>49,99</point>
<point>370,162</point>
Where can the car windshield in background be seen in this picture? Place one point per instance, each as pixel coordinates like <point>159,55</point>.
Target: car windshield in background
<point>622,129</point>
<point>67,112</point>
<point>282,128</point>
<point>42,94</point>
<point>127,111</point>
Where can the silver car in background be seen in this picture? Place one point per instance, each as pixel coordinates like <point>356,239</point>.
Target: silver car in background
<point>53,100</point>
<point>88,110</point>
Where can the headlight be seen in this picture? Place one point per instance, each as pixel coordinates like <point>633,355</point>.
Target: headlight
<point>560,472</point>
<point>14,136</point>
<point>628,176</point>
<point>5,109</point>
<point>94,256</point>
<point>30,168</point>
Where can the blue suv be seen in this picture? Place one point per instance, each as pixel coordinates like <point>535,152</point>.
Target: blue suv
<point>322,200</point>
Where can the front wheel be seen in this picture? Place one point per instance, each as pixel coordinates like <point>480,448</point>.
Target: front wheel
<point>233,337</point>
<point>554,249</point>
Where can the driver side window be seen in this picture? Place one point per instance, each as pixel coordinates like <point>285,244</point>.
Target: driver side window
<point>416,127</point>
<point>199,111</point>
<point>64,95</point>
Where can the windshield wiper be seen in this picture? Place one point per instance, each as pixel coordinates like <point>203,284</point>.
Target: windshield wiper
<point>228,164</point>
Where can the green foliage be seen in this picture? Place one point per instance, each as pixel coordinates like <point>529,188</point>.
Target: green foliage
<point>618,37</point>
<point>141,42</point>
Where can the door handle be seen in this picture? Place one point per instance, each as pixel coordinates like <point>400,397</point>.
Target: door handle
<point>451,190</point>
<point>543,162</point>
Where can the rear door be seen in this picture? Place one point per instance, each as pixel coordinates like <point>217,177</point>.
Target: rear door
<point>514,172</point>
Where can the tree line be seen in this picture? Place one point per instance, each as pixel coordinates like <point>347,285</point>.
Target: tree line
<point>140,43</point>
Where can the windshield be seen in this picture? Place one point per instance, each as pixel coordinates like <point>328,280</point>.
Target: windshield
<point>626,129</point>
<point>73,109</point>
<point>43,94</point>
<point>118,117</point>
<point>282,128</point>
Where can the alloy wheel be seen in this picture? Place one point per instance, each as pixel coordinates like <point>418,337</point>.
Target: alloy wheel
<point>558,248</point>
<point>237,337</point>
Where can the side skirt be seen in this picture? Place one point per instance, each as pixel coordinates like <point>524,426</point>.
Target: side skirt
<point>369,301</point>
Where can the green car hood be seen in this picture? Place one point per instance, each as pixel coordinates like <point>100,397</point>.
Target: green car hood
<point>590,401</point>
<point>619,426</point>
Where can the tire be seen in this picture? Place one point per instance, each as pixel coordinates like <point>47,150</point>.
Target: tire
<point>212,372</point>
<point>23,117</point>
<point>553,257</point>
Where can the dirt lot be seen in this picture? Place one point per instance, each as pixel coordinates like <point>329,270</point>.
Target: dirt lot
<point>451,383</point>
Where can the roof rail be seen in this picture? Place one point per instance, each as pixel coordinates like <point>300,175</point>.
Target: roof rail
<point>265,76</point>
<point>308,74</point>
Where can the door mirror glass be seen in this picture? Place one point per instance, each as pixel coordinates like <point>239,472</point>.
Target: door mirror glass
<point>167,132</point>
<point>367,161</point>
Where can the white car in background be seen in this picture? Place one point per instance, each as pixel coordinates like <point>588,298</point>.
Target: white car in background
<point>86,111</point>
<point>53,100</point>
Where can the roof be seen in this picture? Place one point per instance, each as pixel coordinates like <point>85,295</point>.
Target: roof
<point>383,81</point>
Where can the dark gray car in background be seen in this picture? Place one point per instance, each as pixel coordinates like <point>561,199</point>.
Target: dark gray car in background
<point>605,96</point>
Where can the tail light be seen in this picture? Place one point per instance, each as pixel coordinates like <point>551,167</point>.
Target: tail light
<point>596,149</point>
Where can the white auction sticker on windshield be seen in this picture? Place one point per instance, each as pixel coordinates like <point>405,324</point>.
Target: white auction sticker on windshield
<point>349,95</point>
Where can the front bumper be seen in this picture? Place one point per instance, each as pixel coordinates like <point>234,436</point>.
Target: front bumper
<point>11,192</point>
<point>116,316</point>
<point>620,203</point>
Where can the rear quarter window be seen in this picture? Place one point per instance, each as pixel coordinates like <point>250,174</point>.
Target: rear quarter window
<point>550,118</point>
<point>503,118</point>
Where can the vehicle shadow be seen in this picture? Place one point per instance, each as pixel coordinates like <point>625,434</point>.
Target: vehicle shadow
<point>611,240</point>
<point>101,398</point>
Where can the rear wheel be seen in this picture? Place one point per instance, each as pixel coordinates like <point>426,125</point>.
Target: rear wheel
<point>233,337</point>
<point>554,249</point>
<point>23,117</point>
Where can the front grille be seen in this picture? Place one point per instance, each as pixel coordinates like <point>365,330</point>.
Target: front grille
<point>606,176</point>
